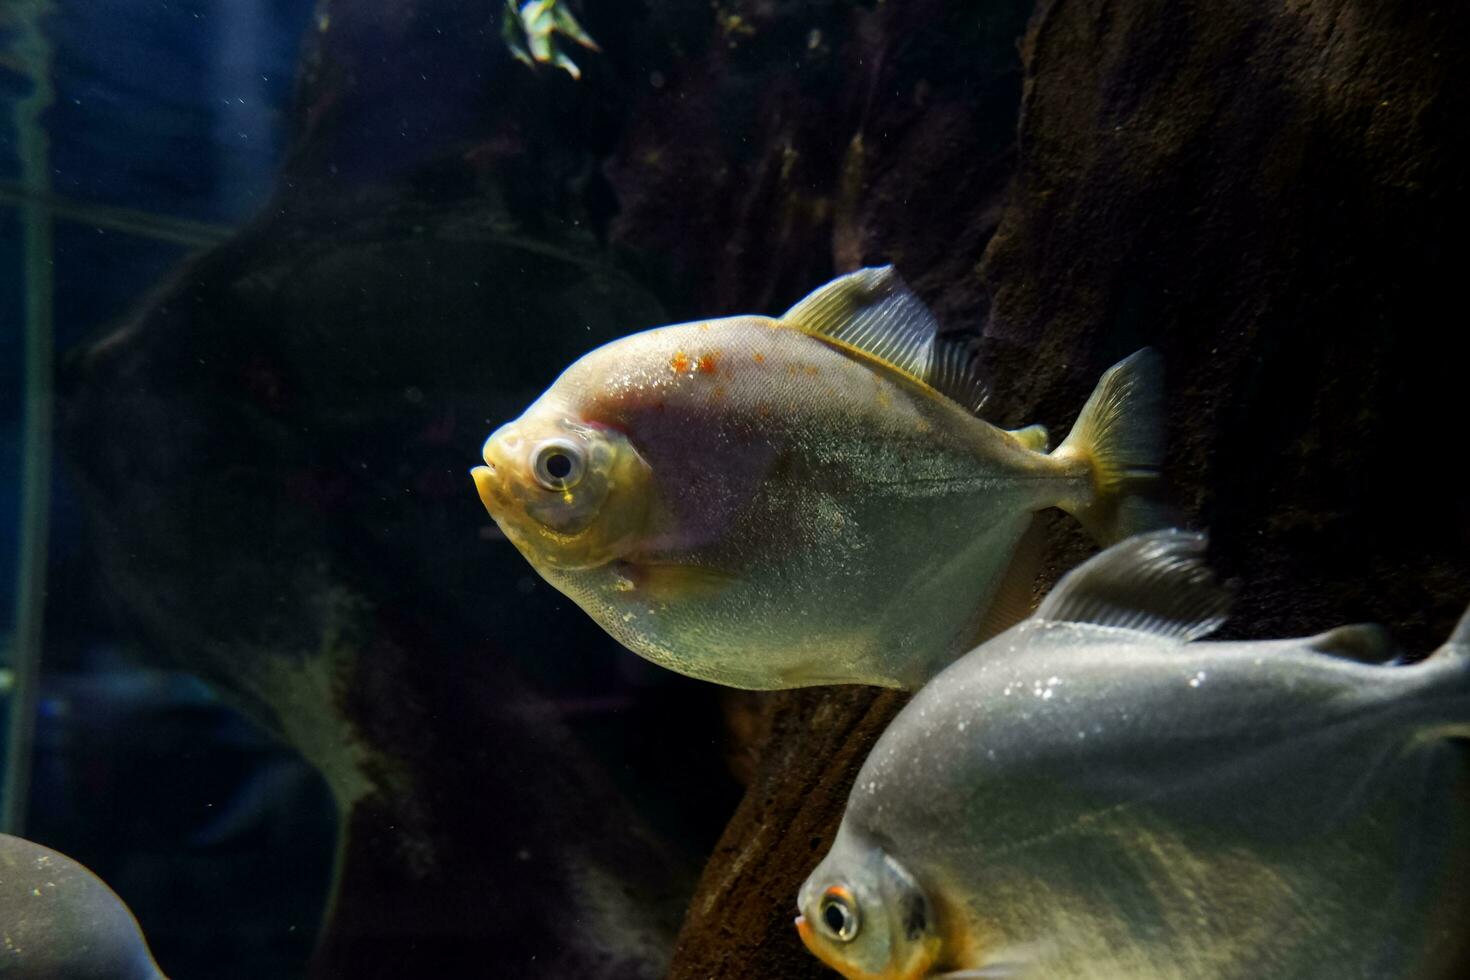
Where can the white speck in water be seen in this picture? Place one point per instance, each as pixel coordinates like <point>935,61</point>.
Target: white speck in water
<point>962,726</point>
<point>1197,679</point>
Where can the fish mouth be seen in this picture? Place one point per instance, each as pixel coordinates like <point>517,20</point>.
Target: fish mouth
<point>487,482</point>
<point>809,939</point>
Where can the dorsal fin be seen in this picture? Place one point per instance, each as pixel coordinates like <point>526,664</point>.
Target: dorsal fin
<point>873,311</point>
<point>1155,583</point>
<point>953,373</point>
<point>1366,643</point>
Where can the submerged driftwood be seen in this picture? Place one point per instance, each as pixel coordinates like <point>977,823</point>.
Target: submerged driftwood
<point>1268,194</point>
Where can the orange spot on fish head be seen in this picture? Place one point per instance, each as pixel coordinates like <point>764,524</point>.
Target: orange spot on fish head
<point>679,362</point>
<point>811,370</point>
<point>760,358</point>
<point>709,363</point>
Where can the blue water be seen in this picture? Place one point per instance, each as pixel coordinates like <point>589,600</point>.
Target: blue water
<point>175,109</point>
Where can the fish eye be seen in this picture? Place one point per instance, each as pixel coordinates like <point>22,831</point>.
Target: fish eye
<point>557,464</point>
<point>839,914</point>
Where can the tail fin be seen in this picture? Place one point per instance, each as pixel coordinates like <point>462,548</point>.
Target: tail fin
<point>1120,435</point>
<point>1458,645</point>
<point>1449,711</point>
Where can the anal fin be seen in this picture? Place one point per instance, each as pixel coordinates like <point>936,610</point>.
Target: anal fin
<point>1015,600</point>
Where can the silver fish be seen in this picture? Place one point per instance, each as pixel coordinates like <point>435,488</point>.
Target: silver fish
<point>758,501</point>
<point>59,921</point>
<point>1094,794</point>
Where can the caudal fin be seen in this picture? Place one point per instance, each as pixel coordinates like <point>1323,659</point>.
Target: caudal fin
<point>1458,645</point>
<point>1447,709</point>
<point>1120,435</point>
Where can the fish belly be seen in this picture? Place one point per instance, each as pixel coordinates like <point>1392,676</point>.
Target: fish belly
<point>888,609</point>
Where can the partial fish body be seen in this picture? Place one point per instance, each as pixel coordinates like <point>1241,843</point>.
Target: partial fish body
<point>59,920</point>
<point>771,503</point>
<point>1094,795</point>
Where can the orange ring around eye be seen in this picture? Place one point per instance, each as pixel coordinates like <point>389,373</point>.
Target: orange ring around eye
<point>841,897</point>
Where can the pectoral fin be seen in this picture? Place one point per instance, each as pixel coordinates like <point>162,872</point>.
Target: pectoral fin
<point>1013,963</point>
<point>669,582</point>
<point>1155,583</point>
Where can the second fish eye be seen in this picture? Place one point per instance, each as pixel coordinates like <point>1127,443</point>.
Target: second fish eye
<point>557,464</point>
<point>839,914</point>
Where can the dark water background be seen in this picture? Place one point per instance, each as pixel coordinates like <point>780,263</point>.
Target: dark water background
<point>167,136</point>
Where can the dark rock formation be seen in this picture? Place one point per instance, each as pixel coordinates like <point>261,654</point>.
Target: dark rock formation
<point>1268,195</point>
